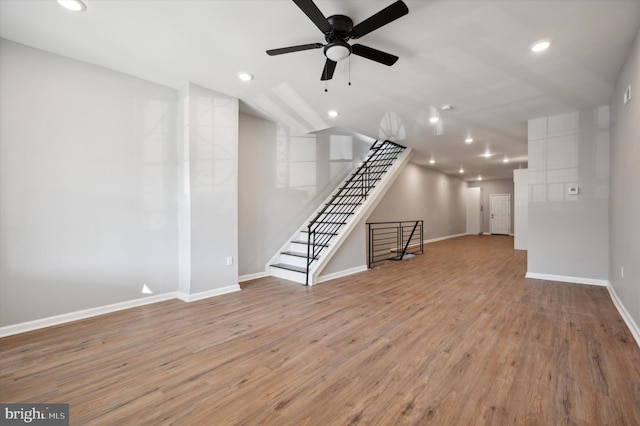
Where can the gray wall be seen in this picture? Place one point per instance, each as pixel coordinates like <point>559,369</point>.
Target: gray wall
<point>500,186</point>
<point>422,193</point>
<point>625,187</point>
<point>419,193</point>
<point>88,186</point>
<point>352,254</point>
<point>569,234</point>
<point>283,177</point>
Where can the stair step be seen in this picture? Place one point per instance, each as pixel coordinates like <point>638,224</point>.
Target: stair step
<point>290,267</point>
<point>296,253</point>
<point>305,243</point>
<point>321,233</point>
<point>336,213</point>
<point>375,162</point>
<point>347,188</point>
<point>343,204</point>
<point>331,223</point>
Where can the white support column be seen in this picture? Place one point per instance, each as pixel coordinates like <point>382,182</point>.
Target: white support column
<point>208,195</point>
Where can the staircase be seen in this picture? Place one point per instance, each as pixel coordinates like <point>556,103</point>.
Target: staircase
<point>312,246</point>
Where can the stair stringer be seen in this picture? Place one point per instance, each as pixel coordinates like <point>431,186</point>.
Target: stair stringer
<point>372,201</point>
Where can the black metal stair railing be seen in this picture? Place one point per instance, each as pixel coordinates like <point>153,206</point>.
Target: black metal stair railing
<point>394,240</point>
<point>336,213</point>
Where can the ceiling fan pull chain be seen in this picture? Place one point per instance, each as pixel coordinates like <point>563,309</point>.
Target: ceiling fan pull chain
<point>349,70</point>
<point>325,86</point>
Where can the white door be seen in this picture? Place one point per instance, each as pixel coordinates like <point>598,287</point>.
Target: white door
<point>500,214</point>
<point>474,212</point>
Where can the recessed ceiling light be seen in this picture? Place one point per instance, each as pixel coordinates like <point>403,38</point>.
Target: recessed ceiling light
<point>432,161</point>
<point>333,113</point>
<point>244,76</point>
<point>468,140</point>
<point>75,5</point>
<point>540,45</point>
<point>433,120</point>
<point>479,177</point>
<point>506,160</point>
<point>461,170</point>
<point>487,154</point>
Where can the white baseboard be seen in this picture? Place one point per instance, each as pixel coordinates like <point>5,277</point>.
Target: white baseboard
<point>249,277</point>
<point>10,330</point>
<point>341,274</point>
<point>446,237</point>
<point>207,294</point>
<point>567,279</point>
<point>631,324</point>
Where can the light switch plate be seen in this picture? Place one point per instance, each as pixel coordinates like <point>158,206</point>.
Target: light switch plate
<point>627,95</point>
<point>573,190</point>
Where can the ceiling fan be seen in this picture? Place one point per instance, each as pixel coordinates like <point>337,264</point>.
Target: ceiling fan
<point>339,29</point>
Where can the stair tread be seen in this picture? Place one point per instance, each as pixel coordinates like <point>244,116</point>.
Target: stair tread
<point>336,213</point>
<point>290,267</point>
<point>305,243</point>
<point>320,232</point>
<point>295,253</point>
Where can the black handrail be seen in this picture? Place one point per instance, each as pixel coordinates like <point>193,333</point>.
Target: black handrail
<point>348,197</point>
<point>389,240</point>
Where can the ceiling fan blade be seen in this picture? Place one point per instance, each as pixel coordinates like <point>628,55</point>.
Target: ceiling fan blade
<point>374,54</point>
<point>329,68</point>
<point>311,10</point>
<point>291,49</point>
<point>385,16</point>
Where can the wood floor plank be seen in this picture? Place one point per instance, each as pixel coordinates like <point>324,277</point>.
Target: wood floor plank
<point>454,336</point>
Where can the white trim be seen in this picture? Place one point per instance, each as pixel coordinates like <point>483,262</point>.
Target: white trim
<point>631,325</point>
<point>206,294</point>
<point>249,277</point>
<point>433,240</point>
<point>567,279</point>
<point>10,330</point>
<point>486,233</point>
<point>341,274</point>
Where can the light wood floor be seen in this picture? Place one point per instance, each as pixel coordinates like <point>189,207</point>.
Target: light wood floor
<point>456,336</point>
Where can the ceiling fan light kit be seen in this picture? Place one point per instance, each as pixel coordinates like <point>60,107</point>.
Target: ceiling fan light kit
<point>339,29</point>
<point>337,51</point>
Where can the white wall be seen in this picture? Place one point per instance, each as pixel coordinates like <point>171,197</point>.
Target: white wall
<point>420,193</point>
<point>520,208</point>
<point>569,234</point>
<point>87,187</point>
<point>625,188</point>
<point>284,176</point>
<point>208,187</point>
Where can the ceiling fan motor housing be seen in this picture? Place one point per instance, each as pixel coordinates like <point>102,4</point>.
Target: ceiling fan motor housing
<point>337,47</point>
<point>341,28</point>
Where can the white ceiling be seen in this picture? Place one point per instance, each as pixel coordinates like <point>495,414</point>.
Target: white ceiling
<point>470,54</point>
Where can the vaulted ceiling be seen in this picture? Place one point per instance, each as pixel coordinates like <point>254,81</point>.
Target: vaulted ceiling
<point>473,55</point>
